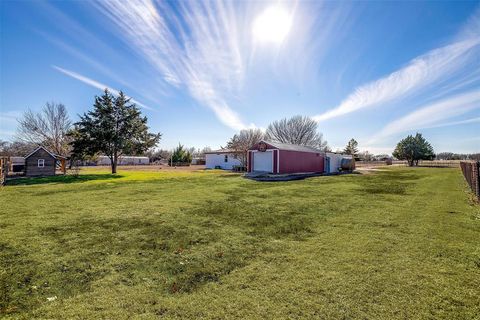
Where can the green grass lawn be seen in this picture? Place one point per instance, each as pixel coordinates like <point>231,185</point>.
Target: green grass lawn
<point>397,244</point>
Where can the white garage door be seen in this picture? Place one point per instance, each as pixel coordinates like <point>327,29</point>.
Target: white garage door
<point>263,161</point>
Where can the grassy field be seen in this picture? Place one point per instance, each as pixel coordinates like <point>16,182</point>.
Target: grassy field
<point>395,244</point>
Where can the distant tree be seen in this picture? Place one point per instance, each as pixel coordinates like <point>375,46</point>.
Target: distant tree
<point>195,152</point>
<point>158,155</point>
<point>365,156</point>
<point>3,147</point>
<point>298,130</point>
<point>181,155</point>
<point>114,127</point>
<point>244,140</point>
<point>445,156</point>
<point>381,157</point>
<point>16,148</point>
<point>204,150</point>
<point>413,149</point>
<point>352,147</point>
<point>164,154</point>
<point>474,156</point>
<point>49,128</point>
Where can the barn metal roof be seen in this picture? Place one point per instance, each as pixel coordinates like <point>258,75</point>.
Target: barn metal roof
<point>293,147</point>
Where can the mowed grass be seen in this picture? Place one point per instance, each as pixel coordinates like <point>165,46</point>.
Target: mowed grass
<point>397,244</point>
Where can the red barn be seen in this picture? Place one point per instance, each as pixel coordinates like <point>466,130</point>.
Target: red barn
<point>277,157</point>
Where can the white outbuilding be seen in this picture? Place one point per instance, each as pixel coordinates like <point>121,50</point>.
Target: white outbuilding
<point>333,161</point>
<point>123,161</point>
<point>222,159</point>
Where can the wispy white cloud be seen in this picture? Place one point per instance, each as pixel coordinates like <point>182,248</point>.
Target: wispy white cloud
<point>456,123</point>
<point>9,116</point>
<point>415,76</point>
<point>433,114</point>
<point>96,84</point>
<point>197,47</point>
<point>8,123</point>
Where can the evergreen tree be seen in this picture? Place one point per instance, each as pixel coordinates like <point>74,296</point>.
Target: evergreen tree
<point>413,149</point>
<point>181,155</point>
<point>114,127</point>
<point>352,147</point>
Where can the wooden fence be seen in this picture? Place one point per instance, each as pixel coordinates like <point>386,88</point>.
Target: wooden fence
<point>4,164</point>
<point>471,172</point>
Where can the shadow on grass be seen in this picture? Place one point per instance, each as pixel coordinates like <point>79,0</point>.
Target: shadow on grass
<point>62,179</point>
<point>230,175</point>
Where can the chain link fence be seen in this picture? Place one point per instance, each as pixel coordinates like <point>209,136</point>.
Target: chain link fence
<point>421,163</point>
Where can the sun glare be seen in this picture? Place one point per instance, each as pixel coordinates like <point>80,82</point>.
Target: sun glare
<point>272,25</point>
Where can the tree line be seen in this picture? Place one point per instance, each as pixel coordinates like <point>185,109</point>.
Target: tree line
<point>116,127</point>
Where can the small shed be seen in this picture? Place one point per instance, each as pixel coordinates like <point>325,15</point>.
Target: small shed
<point>17,164</point>
<point>224,159</point>
<point>275,157</point>
<point>333,161</point>
<point>42,162</point>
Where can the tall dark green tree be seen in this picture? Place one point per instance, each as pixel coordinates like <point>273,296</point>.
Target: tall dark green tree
<point>114,127</point>
<point>352,147</point>
<point>413,149</point>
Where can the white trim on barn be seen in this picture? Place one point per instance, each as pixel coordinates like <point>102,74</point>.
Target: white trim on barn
<point>278,161</point>
<point>267,150</point>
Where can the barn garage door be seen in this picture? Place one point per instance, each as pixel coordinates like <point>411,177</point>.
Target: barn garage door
<point>263,161</point>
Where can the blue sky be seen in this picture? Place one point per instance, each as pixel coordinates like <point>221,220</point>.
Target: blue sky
<point>201,71</point>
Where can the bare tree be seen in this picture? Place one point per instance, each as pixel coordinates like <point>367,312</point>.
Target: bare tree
<point>49,128</point>
<point>298,130</point>
<point>16,148</point>
<point>366,156</point>
<point>205,150</point>
<point>242,141</point>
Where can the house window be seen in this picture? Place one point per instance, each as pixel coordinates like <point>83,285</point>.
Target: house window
<point>226,158</point>
<point>41,163</point>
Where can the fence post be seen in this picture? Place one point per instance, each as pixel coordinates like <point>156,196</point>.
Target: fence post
<point>478,180</point>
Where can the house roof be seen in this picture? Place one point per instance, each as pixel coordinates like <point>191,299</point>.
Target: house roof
<point>292,147</point>
<point>41,147</point>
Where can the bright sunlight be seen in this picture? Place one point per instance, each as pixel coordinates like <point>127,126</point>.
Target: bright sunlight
<point>272,25</point>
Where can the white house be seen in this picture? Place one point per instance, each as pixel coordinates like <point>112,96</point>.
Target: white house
<point>123,160</point>
<point>222,159</point>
